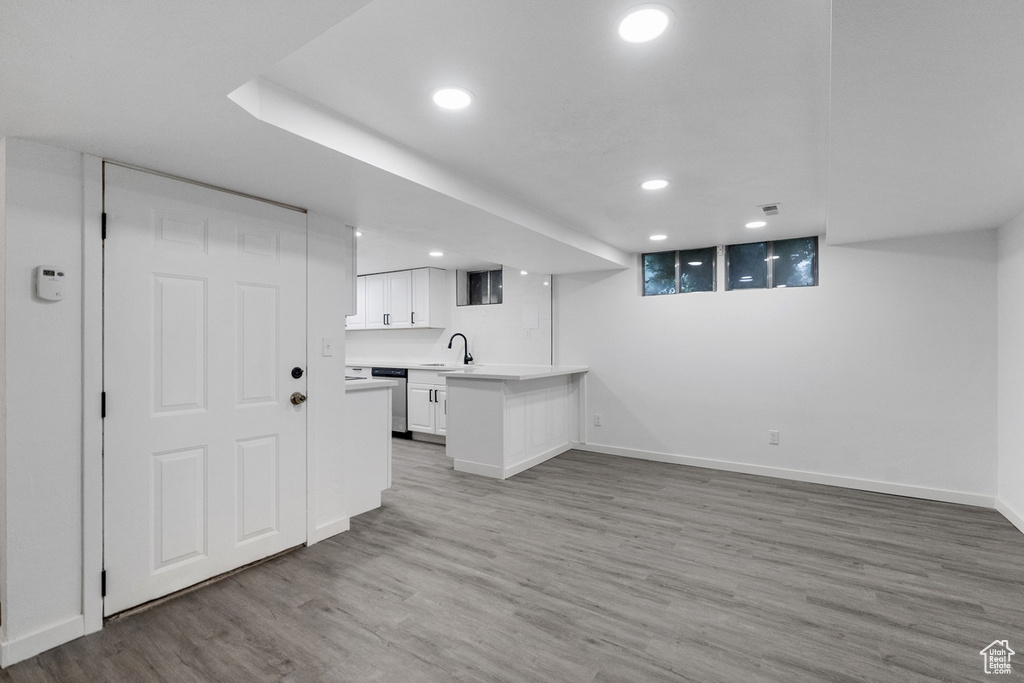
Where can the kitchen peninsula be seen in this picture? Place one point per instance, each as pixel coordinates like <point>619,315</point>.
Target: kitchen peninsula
<point>500,419</point>
<point>504,419</point>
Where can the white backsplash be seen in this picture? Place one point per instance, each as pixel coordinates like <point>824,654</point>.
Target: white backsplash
<point>498,333</point>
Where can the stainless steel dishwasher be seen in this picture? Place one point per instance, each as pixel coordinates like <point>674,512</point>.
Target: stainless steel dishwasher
<point>399,398</point>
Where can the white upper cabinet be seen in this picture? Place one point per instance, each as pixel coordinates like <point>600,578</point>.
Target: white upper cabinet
<point>398,296</point>
<point>429,303</point>
<point>400,299</point>
<point>357,321</point>
<point>376,300</point>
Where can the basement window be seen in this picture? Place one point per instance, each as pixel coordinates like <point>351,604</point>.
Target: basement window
<point>772,265</point>
<point>478,287</point>
<point>660,273</point>
<point>795,262</point>
<point>684,271</point>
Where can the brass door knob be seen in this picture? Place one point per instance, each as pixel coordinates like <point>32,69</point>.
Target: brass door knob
<point>298,398</point>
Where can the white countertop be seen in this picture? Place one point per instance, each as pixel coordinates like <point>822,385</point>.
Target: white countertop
<point>514,372</point>
<point>368,383</point>
<point>481,371</point>
<point>408,365</point>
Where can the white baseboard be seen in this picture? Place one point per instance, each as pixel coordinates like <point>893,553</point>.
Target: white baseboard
<point>14,651</point>
<point>492,471</point>
<point>327,530</point>
<point>512,470</point>
<point>941,495</point>
<point>1015,519</point>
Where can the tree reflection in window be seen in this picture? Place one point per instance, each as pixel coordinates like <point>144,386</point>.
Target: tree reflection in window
<point>660,273</point>
<point>793,262</point>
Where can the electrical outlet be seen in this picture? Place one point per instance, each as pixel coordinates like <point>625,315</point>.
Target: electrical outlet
<point>597,419</point>
<point>773,437</point>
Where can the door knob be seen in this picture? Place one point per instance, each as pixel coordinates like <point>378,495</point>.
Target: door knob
<point>298,398</point>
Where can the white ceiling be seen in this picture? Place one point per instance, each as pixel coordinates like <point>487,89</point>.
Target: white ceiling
<point>866,119</point>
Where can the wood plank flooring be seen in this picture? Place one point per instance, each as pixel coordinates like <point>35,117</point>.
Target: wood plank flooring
<point>594,568</point>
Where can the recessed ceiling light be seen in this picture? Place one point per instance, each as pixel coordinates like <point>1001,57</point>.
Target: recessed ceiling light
<point>359,234</point>
<point>452,98</point>
<point>523,272</point>
<point>756,224</point>
<point>644,22</point>
<point>437,253</point>
<point>654,184</point>
<point>545,283</point>
<point>658,238</point>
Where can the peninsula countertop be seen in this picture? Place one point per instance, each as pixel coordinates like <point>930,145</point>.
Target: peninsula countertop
<point>512,372</point>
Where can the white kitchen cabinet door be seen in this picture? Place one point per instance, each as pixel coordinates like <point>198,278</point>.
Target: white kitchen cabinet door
<point>430,299</point>
<point>420,408</point>
<point>358,320</point>
<point>399,299</point>
<point>388,300</point>
<point>441,410</point>
<point>375,289</point>
<point>204,465</point>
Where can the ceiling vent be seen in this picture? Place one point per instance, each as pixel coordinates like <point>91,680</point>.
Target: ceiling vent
<point>771,209</point>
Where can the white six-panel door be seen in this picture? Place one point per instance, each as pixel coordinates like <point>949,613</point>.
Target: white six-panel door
<point>204,319</point>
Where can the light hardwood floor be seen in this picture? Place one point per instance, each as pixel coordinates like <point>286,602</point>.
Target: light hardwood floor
<point>594,568</point>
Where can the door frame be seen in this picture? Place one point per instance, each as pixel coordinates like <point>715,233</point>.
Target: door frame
<point>92,388</point>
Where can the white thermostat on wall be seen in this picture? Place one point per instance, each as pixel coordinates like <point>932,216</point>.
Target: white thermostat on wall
<point>51,283</point>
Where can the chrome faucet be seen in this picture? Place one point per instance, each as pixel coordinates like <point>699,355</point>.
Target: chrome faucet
<point>467,358</point>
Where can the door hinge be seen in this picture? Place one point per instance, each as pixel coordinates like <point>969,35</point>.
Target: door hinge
<point>103,583</point>
<point>103,405</point>
<point>103,225</point>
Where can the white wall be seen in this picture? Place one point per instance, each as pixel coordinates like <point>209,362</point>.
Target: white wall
<point>41,448</point>
<point>883,377</point>
<point>330,269</point>
<point>495,332</point>
<point>1010,488</point>
<point>50,432</point>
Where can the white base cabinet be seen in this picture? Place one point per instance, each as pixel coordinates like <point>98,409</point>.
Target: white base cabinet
<point>428,403</point>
